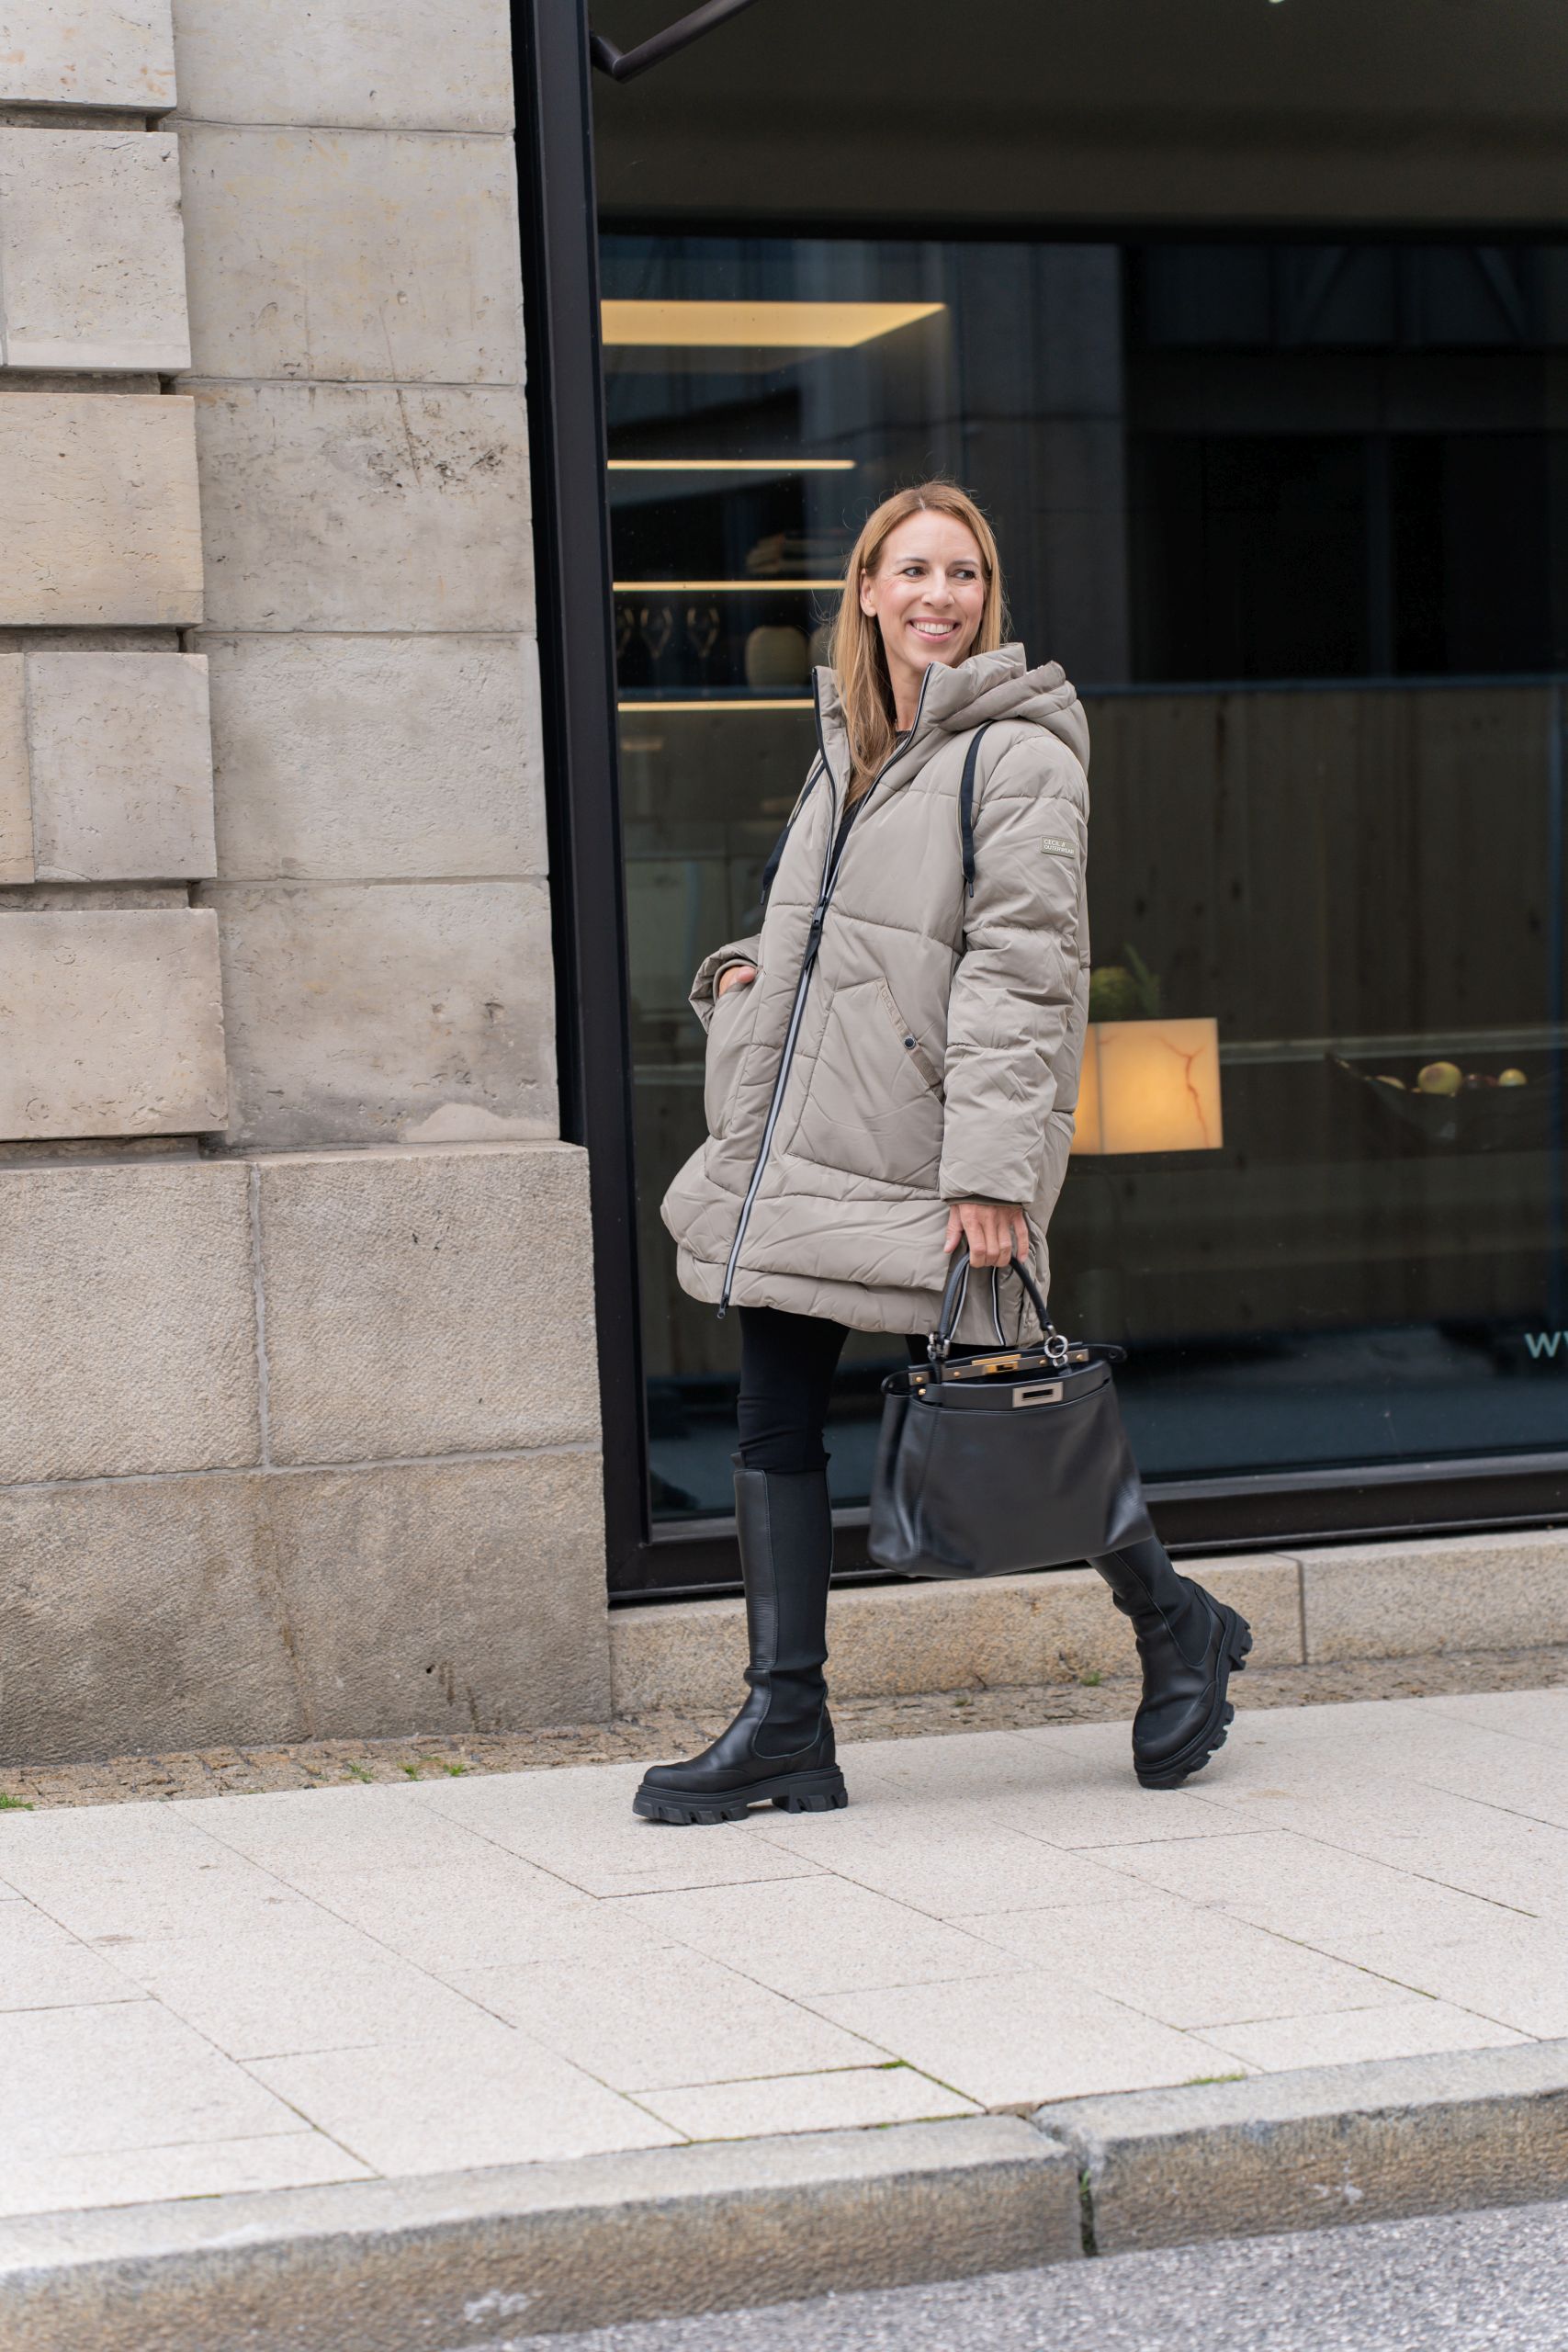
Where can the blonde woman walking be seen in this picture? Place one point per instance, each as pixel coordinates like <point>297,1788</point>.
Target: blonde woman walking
<point>892,1068</point>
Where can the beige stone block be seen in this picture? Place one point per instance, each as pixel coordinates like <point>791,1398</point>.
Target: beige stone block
<point>412,1013</point>
<point>91,255</point>
<point>104,770</point>
<point>98,512</point>
<point>1444,1592</point>
<point>122,766</point>
<point>375,758</point>
<point>446,1596</point>
<point>428,1302</point>
<point>891,1641</point>
<point>128,1343</point>
<point>110,1024</point>
<point>374,61</point>
<point>15,790</point>
<point>89,641</point>
<point>140,1614</point>
<point>336,506</point>
<point>353,253</point>
<point>89,898</point>
<point>84,53</point>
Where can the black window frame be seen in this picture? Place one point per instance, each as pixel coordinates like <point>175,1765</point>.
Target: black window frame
<point>560,228</point>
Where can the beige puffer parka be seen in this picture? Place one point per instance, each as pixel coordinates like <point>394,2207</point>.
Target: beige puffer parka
<point>929,1051</point>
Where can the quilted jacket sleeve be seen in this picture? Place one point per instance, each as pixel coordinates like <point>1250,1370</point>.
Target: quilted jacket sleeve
<point>738,950</point>
<point>1014,1013</point>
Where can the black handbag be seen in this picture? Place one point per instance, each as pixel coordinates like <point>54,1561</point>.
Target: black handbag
<point>997,1462</point>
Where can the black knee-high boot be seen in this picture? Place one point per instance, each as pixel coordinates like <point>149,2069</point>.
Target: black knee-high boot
<point>1188,1646</point>
<point>780,1746</point>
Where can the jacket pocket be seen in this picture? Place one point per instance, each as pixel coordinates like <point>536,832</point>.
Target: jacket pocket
<point>728,1034</point>
<point>873,1104</point>
<point>929,1071</point>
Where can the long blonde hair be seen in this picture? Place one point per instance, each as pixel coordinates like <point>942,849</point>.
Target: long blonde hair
<point>865,690</point>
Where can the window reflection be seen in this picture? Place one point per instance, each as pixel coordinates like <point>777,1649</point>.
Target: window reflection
<point>1293,517</point>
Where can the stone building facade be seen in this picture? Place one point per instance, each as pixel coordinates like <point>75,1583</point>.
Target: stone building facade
<point>298,1417</point>
<point>329,1402</point>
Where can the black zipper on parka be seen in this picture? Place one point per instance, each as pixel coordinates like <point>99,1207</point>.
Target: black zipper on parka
<point>830,864</point>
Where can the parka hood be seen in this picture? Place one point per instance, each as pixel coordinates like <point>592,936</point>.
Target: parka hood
<point>986,687</point>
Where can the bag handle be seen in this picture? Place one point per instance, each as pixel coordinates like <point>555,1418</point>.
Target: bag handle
<point>941,1341</point>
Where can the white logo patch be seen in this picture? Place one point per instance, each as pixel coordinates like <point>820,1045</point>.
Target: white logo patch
<point>1056,842</point>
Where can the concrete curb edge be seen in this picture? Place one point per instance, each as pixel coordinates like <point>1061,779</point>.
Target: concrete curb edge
<point>466,2261</point>
<point>1379,2141</point>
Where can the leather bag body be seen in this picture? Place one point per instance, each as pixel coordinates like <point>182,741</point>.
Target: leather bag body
<point>1003,1464</point>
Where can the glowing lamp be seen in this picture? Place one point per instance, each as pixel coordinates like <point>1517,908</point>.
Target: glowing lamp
<point>1149,1086</point>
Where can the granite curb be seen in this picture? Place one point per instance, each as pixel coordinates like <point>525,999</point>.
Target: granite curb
<point>1377,2142</point>
<point>467,2262</point>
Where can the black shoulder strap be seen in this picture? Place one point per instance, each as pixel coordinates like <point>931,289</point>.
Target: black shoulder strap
<point>776,853</point>
<point>966,809</point>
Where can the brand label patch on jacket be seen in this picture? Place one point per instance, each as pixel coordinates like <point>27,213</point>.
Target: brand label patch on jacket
<point>1058,842</point>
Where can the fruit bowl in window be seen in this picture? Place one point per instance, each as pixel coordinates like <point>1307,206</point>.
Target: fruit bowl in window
<point>1503,1103</point>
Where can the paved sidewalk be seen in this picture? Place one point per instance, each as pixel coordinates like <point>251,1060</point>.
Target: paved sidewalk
<point>258,1992</point>
<point>658,1732</point>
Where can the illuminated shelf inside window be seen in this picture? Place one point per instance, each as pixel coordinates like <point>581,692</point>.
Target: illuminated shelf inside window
<point>714,587</point>
<point>757,326</point>
<point>653,705</point>
<point>731,465</point>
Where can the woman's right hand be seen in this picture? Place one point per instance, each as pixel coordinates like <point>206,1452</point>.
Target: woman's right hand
<point>735,975</point>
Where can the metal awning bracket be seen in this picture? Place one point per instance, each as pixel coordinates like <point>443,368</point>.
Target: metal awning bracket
<point>620,64</point>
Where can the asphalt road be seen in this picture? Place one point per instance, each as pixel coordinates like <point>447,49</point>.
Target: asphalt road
<point>1452,2284</point>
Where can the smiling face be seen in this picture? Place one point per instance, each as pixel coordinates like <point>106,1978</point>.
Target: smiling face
<point>928,595</point>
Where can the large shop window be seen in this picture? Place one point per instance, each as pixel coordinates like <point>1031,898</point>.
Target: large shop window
<point>1293,517</point>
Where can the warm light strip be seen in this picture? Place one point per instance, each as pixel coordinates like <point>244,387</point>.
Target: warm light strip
<point>711,587</point>
<point>759,326</point>
<point>657,709</point>
<point>731,465</point>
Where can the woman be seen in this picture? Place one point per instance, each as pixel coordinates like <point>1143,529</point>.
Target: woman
<point>892,1068</point>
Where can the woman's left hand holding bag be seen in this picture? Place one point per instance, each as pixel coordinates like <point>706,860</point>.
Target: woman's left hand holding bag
<point>993,1229</point>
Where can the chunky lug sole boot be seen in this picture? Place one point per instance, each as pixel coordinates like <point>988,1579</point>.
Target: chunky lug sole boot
<point>1189,1647</point>
<point>779,1749</point>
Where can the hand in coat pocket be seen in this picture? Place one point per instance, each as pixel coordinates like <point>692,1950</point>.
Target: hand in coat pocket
<point>729,1033</point>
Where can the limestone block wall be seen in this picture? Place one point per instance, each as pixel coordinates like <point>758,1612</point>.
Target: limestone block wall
<point>298,1424</point>
<point>357,369</point>
<point>110,1010</point>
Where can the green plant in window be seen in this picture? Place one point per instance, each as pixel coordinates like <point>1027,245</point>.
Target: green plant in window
<point>1125,991</point>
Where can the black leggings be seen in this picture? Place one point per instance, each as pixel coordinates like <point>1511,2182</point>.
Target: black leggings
<point>787,1363</point>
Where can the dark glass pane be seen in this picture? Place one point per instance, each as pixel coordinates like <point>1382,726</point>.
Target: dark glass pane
<point>1292,514</point>
<point>1249,556</point>
<point>1473,527</point>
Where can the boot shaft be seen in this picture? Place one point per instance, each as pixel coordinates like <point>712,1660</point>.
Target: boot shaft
<point>784,1523</point>
<point>1163,1605</point>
